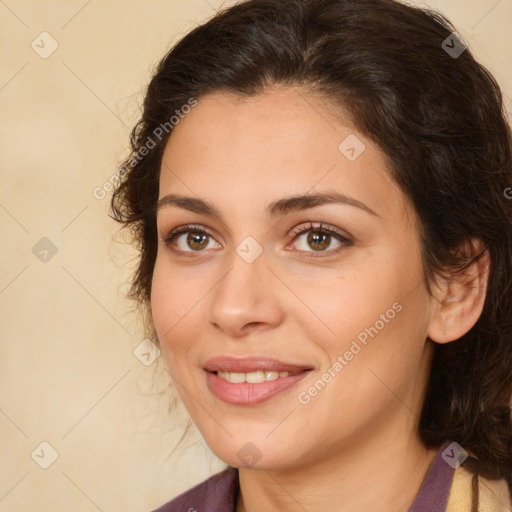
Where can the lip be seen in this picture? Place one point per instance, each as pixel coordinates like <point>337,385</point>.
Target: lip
<point>246,393</point>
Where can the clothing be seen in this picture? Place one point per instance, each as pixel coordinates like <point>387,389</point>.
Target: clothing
<point>443,490</point>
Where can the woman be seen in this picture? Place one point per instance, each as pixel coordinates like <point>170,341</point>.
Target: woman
<point>318,192</point>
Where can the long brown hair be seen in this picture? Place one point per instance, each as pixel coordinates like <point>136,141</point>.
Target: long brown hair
<point>439,119</point>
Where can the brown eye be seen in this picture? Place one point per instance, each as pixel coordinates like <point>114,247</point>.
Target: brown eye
<point>196,240</point>
<point>319,240</point>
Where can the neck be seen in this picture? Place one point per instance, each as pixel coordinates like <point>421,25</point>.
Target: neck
<point>383,475</point>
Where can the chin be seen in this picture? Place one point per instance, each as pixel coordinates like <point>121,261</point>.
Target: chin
<point>256,451</point>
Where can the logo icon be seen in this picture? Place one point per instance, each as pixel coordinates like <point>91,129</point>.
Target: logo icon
<point>454,45</point>
<point>249,454</point>
<point>249,249</point>
<point>44,250</point>
<point>146,352</point>
<point>44,45</point>
<point>44,455</point>
<point>454,455</point>
<point>352,147</point>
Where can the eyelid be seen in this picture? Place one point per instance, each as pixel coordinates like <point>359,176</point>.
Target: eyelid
<point>320,226</point>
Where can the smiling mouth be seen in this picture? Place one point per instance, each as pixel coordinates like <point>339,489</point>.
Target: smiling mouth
<point>251,380</point>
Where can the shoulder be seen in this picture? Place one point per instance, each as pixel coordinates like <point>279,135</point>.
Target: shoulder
<point>494,495</point>
<point>215,494</point>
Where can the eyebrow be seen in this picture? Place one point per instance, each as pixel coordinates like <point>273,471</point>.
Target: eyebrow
<point>275,209</point>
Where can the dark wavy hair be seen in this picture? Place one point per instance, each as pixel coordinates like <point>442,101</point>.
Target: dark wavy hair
<point>439,119</point>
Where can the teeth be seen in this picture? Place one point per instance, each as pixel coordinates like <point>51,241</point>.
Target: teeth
<point>251,377</point>
<point>254,377</point>
<point>237,378</point>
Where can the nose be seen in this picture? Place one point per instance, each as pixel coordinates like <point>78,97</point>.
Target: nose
<point>247,296</point>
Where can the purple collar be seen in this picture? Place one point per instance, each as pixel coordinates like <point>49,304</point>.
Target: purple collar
<point>433,494</point>
<point>219,493</point>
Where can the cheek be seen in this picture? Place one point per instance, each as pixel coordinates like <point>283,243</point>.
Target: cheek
<point>383,350</point>
<point>382,307</point>
<point>162,301</point>
<point>352,302</point>
<point>171,303</point>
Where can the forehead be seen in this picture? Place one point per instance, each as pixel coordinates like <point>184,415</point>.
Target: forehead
<point>281,142</point>
<point>289,124</point>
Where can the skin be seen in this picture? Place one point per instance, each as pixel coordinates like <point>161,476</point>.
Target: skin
<point>354,446</point>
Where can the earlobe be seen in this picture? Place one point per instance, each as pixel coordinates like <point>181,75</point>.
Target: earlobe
<point>458,300</point>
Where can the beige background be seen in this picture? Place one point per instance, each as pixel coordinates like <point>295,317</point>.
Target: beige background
<point>69,376</point>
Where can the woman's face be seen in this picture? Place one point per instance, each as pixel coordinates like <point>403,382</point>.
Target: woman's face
<point>343,309</point>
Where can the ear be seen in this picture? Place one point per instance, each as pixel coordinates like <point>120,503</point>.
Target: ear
<point>458,299</point>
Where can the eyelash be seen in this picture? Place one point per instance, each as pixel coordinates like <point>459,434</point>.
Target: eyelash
<point>300,230</point>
